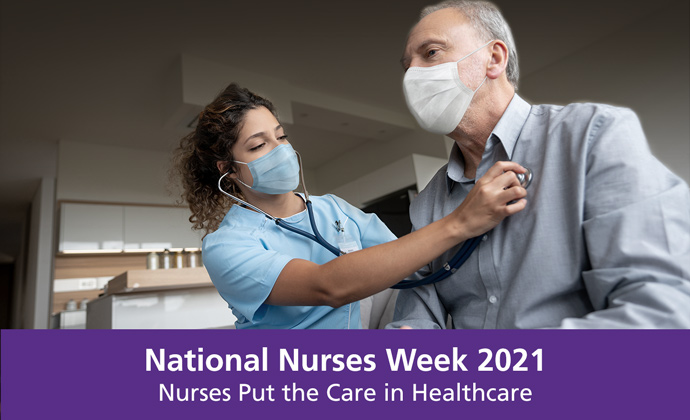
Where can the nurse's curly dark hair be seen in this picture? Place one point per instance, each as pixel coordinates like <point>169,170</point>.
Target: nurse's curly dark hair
<point>194,164</point>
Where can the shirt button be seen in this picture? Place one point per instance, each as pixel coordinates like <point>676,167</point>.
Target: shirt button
<point>485,237</point>
<point>493,299</point>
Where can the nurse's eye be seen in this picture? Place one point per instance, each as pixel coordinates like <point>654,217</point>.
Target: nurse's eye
<point>255,148</point>
<point>284,137</point>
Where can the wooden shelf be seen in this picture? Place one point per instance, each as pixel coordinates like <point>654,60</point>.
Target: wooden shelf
<point>73,266</point>
<point>60,299</point>
<point>146,280</point>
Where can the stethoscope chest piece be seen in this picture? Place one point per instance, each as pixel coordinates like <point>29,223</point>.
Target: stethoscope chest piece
<point>525,179</point>
<point>463,253</point>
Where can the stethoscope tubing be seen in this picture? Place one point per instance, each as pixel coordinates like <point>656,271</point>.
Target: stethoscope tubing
<point>463,253</point>
<point>316,237</point>
<point>448,268</point>
<point>321,240</point>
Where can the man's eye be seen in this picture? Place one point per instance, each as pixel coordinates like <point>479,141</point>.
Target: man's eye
<point>257,147</point>
<point>284,137</point>
<point>431,53</point>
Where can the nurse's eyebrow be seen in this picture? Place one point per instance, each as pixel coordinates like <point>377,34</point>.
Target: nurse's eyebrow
<point>261,133</point>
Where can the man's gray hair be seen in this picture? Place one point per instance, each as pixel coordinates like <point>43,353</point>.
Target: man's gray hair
<point>487,20</point>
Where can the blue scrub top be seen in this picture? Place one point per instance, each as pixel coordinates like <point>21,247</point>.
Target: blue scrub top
<point>245,256</point>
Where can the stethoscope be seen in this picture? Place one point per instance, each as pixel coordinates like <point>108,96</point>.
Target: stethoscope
<point>316,237</point>
<point>467,248</point>
<point>449,267</point>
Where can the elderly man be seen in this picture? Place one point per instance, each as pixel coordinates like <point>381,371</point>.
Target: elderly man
<point>605,239</point>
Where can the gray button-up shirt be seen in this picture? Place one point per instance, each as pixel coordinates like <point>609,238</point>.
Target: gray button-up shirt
<point>604,241</point>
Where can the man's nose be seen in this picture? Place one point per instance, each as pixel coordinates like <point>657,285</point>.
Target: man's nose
<point>416,62</point>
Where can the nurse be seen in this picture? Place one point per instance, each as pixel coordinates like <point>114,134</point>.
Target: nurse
<point>274,278</point>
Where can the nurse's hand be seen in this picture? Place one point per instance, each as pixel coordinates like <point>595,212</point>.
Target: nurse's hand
<point>487,203</point>
<point>356,275</point>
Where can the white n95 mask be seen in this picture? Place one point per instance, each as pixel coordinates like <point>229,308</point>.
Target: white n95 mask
<point>437,97</point>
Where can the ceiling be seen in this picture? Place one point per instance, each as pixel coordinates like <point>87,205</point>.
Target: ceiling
<point>91,72</point>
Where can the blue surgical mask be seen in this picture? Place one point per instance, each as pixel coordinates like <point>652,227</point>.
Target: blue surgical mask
<point>276,172</point>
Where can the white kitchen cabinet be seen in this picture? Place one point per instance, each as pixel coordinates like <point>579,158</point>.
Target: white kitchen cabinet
<point>69,320</point>
<point>158,228</point>
<point>190,308</point>
<point>91,227</point>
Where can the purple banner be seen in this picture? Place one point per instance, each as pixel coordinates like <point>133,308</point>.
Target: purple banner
<point>406,374</point>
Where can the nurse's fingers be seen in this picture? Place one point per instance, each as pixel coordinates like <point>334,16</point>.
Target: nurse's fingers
<point>510,194</point>
<point>516,207</point>
<point>498,169</point>
<point>506,180</point>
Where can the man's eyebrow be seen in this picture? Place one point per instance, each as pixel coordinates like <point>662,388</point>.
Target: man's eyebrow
<point>428,42</point>
<point>405,60</point>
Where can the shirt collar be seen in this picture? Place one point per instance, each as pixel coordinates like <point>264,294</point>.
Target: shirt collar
<point>510,125</point>
<point>506,132</point>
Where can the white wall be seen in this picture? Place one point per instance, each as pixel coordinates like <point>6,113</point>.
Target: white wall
<point>193,82</point>
<point>94,172</point>
<point>23,162</point>
<point>382,181</point>
<point>20,276</point>
<point>425,167</point>
<point>37,287</point>
<point>411,170</point>
<point>366,159</point>
<point>645,67</point>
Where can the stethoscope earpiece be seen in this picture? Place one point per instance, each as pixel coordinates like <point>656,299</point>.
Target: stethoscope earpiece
<point>316,237</point>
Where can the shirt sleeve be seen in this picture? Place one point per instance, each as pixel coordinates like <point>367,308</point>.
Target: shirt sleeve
<point>636,224</point>
<point>243,271</point>
<point>372,230</point>
<point>419,307</point>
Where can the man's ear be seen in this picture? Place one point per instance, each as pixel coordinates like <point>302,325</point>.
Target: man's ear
<point>499,60</point>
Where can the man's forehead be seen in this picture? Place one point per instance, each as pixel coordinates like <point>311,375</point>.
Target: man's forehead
<point>443,24</point>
